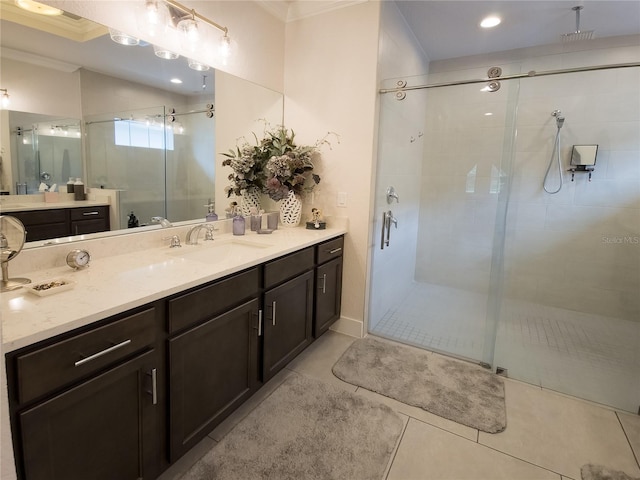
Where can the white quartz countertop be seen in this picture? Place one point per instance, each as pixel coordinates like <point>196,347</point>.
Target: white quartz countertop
<point>20,207</point>
<point>116,283</point>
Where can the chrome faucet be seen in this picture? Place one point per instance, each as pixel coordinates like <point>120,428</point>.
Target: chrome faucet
<point>164,223</point>
<point>196,230</point>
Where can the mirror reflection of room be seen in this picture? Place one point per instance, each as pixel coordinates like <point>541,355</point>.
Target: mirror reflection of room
<point>86,93</point>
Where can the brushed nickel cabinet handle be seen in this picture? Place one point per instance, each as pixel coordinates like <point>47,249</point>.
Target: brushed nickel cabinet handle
<point>324,283</point>
<point>101,353</point>
<point>273,314</point>
<point>335,250</point>
<point>154,386</point>
<point>90,213</point>
<point>259,323</point>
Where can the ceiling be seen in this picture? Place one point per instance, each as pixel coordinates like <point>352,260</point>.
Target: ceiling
<point>450,29</point>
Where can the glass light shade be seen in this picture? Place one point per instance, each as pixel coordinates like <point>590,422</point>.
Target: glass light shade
<point>225,46</point>
<point>191,34</point>
<point>164,53</point>
<point>153,18</point>
<point>195,65</point>
<point>123,38</point>
<point>5,100</point>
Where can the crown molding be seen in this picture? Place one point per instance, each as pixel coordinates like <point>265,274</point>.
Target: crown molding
<point>38,60</point>
<point>292,10</point>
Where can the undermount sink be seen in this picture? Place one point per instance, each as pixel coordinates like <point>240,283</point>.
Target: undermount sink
<point>218,250</point>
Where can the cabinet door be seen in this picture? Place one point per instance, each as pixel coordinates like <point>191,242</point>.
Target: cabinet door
<point>213,368</point>
<point>103,429</point>
<point>328,295</point>
<point>287,322</point>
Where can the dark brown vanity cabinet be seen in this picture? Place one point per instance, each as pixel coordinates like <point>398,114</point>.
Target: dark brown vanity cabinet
<point>328,291</point>
<point>63,222</point>
<point>288,309</point>
<point>213,364</point>
<point>90,405</point>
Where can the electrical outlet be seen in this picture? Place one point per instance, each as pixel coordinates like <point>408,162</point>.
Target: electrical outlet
<point>341,199</point>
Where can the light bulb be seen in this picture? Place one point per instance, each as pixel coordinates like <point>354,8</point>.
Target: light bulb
<point>39,8</point>
<point>6,101</point>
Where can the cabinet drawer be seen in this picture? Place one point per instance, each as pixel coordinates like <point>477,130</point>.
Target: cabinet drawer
<point>88,213</point>
<point>281,269</point>
<point>330,249</point>
<point>210,301</point>
<point>62,363</point>
<point>41,217</point>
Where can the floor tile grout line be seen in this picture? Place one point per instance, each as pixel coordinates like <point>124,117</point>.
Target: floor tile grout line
<point>487,446</point>
<point>628,439</point>
<point>395,453</point>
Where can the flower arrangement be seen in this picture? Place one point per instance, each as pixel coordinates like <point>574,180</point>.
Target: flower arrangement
<point>274,166</point>
<point>247,162</point>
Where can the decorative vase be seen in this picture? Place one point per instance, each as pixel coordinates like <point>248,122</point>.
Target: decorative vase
<point>290,210</point>
<point>250,199</point>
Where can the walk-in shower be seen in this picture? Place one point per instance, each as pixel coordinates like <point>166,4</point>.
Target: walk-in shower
<point>485,264</point>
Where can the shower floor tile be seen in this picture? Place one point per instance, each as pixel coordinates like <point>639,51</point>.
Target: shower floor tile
<point>589,356</point>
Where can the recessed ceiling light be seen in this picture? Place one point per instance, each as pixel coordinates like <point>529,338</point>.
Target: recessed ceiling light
<point>40,8</point>
<point>176,80</point>
<point>490,22</point>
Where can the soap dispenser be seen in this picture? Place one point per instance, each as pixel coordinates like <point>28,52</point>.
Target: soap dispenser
<point>211,215</point>
<point>238,222</point>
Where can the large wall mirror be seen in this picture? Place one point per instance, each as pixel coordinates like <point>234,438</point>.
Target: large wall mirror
<point>110,114</point>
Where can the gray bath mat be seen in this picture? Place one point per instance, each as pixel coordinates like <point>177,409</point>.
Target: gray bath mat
<point>453,389</point>
<point>598,472</point>
<point>306,429</point>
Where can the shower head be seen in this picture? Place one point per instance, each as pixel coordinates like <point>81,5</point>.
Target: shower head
<point>577,35</point>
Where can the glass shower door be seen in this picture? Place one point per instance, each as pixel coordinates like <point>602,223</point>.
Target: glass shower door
<point>434,285</point>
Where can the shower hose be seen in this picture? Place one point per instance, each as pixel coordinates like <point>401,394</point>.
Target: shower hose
<point>555,153</point>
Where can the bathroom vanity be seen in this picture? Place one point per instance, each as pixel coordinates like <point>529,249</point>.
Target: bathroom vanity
<point>62,219</point>
<point>158,347</point>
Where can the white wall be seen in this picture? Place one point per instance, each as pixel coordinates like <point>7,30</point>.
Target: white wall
<point>330,86</point>
<point>400,144</point>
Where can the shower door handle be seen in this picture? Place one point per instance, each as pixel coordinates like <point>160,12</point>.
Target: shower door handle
<point>387,219</point>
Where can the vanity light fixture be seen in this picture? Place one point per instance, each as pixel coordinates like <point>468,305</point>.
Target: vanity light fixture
<point>164,53</point>
<point>39,8</point>
<point>123,38</point>
<point>195,65</point>
<point>189,25</point>
<point>155,18</point>
<point>6,101</point>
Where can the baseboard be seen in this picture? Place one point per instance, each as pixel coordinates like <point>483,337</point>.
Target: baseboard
<point>349,326</point>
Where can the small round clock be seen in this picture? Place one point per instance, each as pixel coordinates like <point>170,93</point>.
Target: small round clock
<point>78,259</point>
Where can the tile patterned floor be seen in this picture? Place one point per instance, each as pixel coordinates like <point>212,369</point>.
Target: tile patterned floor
<point>548,435</point>
<point>589,356</point>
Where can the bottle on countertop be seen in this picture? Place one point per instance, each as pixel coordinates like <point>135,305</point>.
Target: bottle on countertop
<point>238,222</point>
<point>211,215</point>
<point>78,189</point>
<point>70,185</point>
<point>133,221</point>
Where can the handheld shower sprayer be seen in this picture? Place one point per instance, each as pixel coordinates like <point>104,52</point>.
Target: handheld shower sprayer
<point>559,118</point>
<point>555,154</point>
